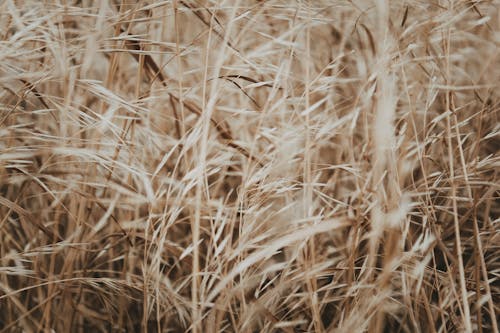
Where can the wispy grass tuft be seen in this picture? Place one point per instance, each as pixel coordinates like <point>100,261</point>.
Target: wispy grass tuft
<point>249,166</point>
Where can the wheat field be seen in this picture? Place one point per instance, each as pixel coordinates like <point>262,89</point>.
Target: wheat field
<point>249,166</point>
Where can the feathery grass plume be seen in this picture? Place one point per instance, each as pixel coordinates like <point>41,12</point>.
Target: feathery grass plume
<point>249,166</point>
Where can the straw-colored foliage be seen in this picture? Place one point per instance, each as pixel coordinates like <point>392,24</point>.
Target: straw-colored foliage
<point>249,166</point>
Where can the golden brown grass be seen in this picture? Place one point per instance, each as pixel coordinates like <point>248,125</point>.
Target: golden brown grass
<point>249,166</point>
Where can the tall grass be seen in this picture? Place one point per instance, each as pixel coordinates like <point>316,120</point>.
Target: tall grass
<point>249,166</point>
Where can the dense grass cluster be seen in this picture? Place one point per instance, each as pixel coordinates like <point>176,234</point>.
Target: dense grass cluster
<point>249,166</point>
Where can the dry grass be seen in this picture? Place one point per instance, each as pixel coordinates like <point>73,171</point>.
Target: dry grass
<point>249,166</point>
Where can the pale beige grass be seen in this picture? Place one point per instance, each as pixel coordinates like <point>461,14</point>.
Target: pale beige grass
<point>249,166</point>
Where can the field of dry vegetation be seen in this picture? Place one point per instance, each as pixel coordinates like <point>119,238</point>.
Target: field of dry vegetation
<point>249,166</point>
